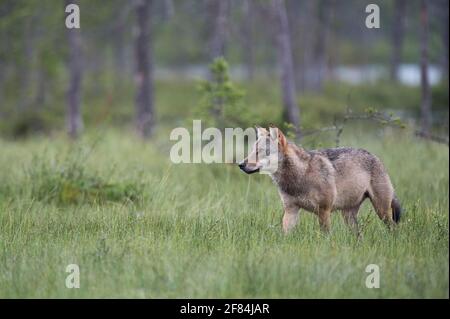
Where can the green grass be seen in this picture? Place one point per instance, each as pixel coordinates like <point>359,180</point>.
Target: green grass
<point>204,231</point>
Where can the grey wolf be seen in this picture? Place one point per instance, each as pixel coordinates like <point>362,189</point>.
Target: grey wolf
<point>323,181</point>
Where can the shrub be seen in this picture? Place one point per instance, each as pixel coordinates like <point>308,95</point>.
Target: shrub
<point>69,182</point>
<point>222,101</point>
<point>25,124</point>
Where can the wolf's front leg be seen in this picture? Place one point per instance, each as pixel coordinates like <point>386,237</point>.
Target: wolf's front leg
<point>351,220</point>
<point>290,218</point>
<point>325,219</point>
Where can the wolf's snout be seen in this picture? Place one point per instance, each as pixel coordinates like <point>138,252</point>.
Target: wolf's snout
<point>247,170</point>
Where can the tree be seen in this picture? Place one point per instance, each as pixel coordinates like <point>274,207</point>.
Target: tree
<point>26,65</point>
<point>222,102</point>
<point>321,44</point>
<point>443,9</point>
<point>119,30</point>
<point>398,27</point>
<point>313,21</point>
<point>74,120</point>
<point>219,12</point>
<point>169,9</point>
<point>247,35</point>
<point>307,47</point>
<point>144,69</point>
<point>425,109</point>
<point>291,109</point>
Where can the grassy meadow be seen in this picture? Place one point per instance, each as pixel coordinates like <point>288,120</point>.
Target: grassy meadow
<point>139,226</point>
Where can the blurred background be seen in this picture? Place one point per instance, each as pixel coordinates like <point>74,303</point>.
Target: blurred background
<point>297,63</point>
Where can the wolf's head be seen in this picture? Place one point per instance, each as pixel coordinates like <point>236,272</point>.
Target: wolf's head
<point>266,153</point>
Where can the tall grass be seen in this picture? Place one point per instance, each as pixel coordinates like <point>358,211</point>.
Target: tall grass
<point>207,230</point>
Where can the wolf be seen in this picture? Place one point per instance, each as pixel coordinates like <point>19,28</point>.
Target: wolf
<point>323,181</point>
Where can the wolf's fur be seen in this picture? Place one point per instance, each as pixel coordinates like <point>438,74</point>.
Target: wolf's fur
<point>322,181</point>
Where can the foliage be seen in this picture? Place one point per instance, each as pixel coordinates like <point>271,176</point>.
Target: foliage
<point>25,125</point>
<point>222,101</point>
<point>69,182</point>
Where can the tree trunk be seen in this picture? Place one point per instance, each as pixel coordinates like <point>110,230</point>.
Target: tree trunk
<point>333,52</point>
<point>3,70</point>
<point>397,37</point>
<point>119,54</point>
<point>316,44</point>
<point>248,39</point>
<point>308,55</point>
<point>291,109</point>
<point>426,91</point>
<point>144,69</point>
<point>444,36</point>
<point>41,91</point>
<point>25,67</point>
<point>122,48</point>
<point>304,42</point>
<point>219,11</point>
<point>74,120</point>
<point>169,10</point>
<point>320,48</point>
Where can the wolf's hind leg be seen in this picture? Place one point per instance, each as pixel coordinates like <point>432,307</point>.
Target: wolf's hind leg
<point>350,218</point>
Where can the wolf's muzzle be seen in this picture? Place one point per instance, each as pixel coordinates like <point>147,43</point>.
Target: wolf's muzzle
<point>243,167</point>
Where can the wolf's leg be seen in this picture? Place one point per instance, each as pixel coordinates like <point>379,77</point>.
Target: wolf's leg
<point>381,195</point>
<point>325,219</point>
<point>290,218</point>
<point>382,204</point>
<point>350,218</point>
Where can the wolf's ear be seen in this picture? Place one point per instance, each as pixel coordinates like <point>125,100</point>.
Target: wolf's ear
<point>273,132</point>
<point>260,131</point>
<point>277,135</point>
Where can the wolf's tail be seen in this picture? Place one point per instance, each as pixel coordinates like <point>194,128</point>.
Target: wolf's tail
<point>396,209</point>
